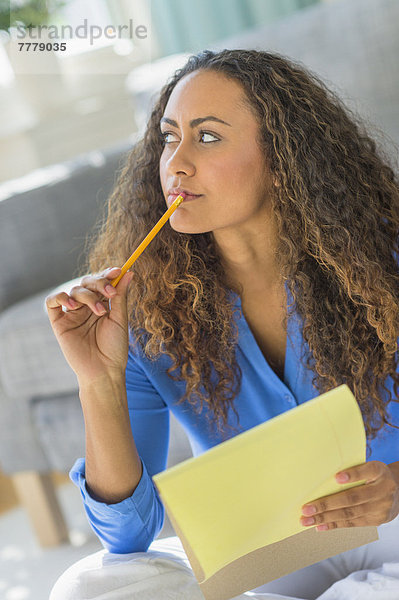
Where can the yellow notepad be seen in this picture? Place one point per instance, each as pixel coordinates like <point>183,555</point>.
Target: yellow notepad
<point>237,507</point>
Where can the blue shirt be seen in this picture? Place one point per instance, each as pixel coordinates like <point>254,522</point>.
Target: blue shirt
<point>132,524</point>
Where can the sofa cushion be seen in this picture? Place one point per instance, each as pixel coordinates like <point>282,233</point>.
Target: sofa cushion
<point>60,426</point>
<point>31,360</point>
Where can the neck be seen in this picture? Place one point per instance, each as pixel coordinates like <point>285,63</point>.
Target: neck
<point>248,253</point>
<point>255,269</point>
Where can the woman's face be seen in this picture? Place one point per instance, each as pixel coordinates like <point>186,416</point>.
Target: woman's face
<point>220,161</point>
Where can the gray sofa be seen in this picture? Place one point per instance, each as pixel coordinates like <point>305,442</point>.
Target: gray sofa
<point>43,230</point>
<point>353,43</point>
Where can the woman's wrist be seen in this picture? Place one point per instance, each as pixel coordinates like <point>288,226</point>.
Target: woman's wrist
<point>105,380</point>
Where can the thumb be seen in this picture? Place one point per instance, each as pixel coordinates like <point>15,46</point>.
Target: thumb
<point>118,302</point>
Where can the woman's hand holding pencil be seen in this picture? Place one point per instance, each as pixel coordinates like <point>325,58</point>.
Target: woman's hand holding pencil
<point>95,342</point>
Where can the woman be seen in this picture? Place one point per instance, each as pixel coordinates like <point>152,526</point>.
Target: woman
<point>294,209</point>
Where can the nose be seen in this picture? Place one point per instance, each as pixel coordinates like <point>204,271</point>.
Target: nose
<point>179,162</point>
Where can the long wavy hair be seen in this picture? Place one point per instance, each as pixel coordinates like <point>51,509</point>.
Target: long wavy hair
<point>337,213</point>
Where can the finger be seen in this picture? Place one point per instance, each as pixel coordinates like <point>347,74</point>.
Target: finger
<point>102,283</point>
<point>58,304</point>
<point>111,273</point>
<point>95,290</point>
<point>372,514</point>
<point>370,511</point>
<point>368,471</point>
<point>119,302</point>
<point>359,522</point>
<point>55,304</point>
<point>358,494</point>
<point>89,298</point>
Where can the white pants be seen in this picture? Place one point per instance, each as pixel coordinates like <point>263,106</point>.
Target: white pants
<point>370,572</point>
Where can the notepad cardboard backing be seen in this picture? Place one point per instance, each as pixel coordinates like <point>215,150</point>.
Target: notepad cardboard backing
<point>275,560</point>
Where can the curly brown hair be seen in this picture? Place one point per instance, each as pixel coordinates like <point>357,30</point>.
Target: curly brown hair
<point>336,205</point>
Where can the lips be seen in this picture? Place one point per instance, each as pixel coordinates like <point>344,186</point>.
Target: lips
<point>179,190</point>
<point>187,197</point>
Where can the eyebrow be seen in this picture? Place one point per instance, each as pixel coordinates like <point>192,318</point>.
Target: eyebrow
<point>194,122</point>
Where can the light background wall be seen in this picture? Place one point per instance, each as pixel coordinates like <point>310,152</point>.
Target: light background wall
<point>83,104</point>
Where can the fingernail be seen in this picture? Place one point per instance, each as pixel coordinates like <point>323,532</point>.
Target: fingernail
<point>100,307</point>
<point>309,510</point>
<point>342,477</point>
<point>110,289</point>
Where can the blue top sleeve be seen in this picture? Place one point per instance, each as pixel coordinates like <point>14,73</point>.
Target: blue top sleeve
<point>132,524</point>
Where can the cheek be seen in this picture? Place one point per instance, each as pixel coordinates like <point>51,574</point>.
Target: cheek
<point>242,165</point>
<point>248,174</point>
<point>227,173</point>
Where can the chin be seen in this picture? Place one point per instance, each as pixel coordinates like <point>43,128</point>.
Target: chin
<point>188,229</point>
<point>181,227</point>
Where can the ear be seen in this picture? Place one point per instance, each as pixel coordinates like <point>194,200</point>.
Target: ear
<point>275,182</point>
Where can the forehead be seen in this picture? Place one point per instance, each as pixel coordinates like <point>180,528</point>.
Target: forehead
<point>206,92</point>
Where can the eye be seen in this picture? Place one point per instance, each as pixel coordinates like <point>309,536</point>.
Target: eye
<point>164,136</point>
<point>202,133</point>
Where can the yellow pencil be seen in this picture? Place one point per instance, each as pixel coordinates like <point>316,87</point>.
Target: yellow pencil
<point>148,239</point>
